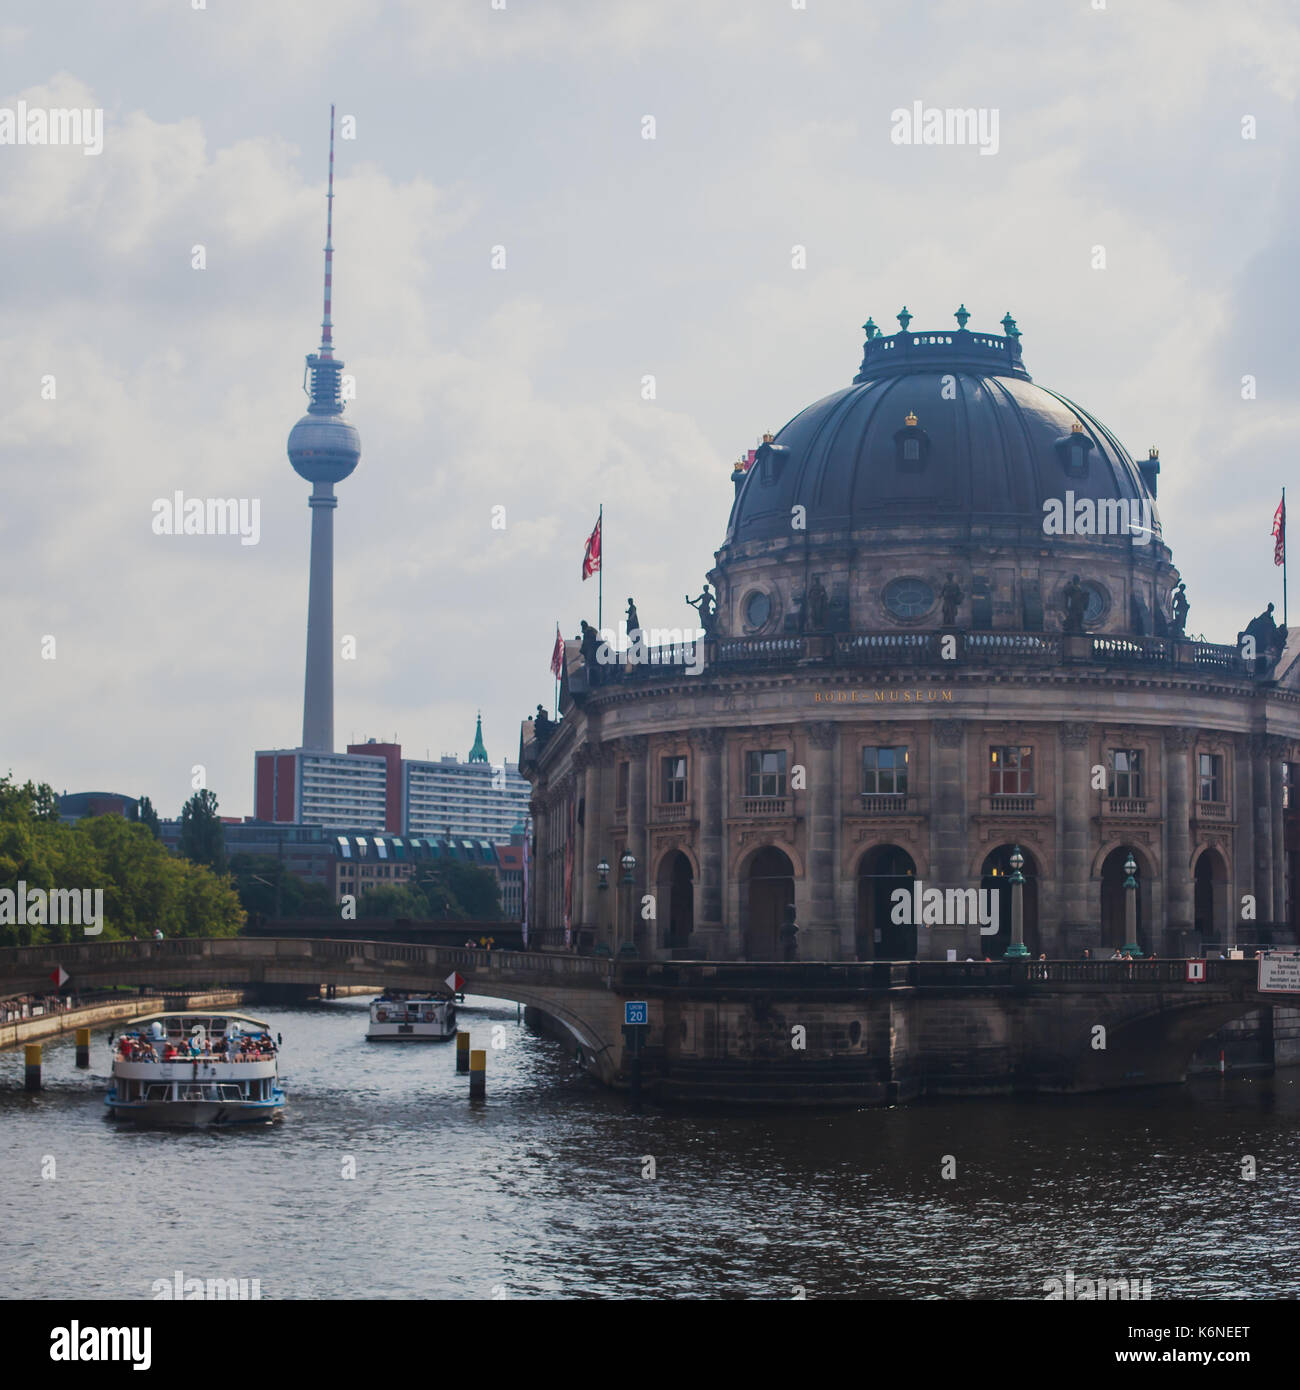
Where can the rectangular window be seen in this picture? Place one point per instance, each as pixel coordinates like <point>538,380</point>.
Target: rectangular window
<point>674,782</point>
<point>1011,771</point>
<point>884,771</point>
<point>1211,777</point>
<point>1125,772</point>
<point>765,773</point>
<point>620,798</point>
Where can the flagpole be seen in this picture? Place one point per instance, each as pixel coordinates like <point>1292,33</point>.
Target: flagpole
<point>557,679</point>
<point>1284,622</point>
<point>600,573</point>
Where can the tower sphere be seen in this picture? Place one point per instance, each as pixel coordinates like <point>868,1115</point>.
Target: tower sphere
<point>324,448</point>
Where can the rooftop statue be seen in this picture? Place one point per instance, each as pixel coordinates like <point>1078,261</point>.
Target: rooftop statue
<point>1075,603</point>
<point>1181,606</point>
<point>815,606</point>
<point>952,597</point>
<point>706,606</point>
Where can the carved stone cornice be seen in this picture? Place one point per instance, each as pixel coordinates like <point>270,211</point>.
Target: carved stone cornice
<point>634,745</point>
<point>1179,738</point>
<point>948,732</point>
<point>821,734</point>
<point>583,758</point>
<point>713,740</point>
<point>1267,746</point>
<point>1076,735</point>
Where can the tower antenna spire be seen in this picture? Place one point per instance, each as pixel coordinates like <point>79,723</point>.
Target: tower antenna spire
<point>327,323</point>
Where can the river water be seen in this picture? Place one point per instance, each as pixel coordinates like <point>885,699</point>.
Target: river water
<point>540,1193</point>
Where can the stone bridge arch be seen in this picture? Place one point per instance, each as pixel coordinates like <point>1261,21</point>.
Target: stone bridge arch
<point>1153,1046</point>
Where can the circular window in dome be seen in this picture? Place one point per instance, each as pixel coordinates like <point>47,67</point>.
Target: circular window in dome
<point>908,598</point>
<point>758,609</point>
<point>1098,603</point>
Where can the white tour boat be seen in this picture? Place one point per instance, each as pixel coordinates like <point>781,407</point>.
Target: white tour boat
<point>403,1016</point>
<point>201,1068</point>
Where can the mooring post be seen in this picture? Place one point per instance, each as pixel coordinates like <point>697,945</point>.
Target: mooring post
<point>478,1074</point>
<point>462,1051</point>
<point>32,1054</point>
<point>83,1047</point>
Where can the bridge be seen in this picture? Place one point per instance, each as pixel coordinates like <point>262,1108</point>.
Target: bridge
<point>807,1032</point>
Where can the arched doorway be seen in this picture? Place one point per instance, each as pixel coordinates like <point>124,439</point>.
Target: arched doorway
<point>880,872</point>
<point>1211,896</point>
<point>995,877</point>
<point>766,891</point>
<point>676,896</point>
<point>1114,932</point>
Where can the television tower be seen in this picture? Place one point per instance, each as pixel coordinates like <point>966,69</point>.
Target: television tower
<point>323,448</point>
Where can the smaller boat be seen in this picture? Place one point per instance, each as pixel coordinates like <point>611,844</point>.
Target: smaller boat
<point>201,1068</point>
<point>409,1016</point>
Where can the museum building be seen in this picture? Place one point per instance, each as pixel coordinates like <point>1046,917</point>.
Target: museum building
<point>946,626</point>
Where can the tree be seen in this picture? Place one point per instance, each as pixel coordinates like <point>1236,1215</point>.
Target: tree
<point>202,839</point>
<point>462,892</point>
<point>144,887</point>
<point>36,799</point>
<point>149,818</point>
<point>392,900</point>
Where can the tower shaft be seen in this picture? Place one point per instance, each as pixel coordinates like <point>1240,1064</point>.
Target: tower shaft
<point>318,690</point>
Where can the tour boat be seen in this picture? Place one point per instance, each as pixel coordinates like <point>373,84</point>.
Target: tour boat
<point>196,1069</point>
<point>400,1016</point>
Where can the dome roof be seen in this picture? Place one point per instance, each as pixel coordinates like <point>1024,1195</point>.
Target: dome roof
<point>938,428</point>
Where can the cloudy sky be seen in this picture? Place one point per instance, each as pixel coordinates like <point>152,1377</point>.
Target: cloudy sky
<point>520,125</point>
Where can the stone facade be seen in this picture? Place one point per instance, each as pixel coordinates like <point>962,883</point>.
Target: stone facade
<point>851,734</point>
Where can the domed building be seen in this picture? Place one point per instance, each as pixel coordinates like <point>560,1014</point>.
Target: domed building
<point>947,628</point>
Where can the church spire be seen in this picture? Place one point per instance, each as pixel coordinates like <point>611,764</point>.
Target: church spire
<point>478,754</point>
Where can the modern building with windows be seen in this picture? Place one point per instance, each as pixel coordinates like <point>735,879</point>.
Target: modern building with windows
<point>372,787</point>
<point>926,673</point>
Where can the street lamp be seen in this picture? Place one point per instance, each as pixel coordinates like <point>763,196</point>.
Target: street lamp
<point>1017,950</point>
<point>628,864</point>
<point>1130,908</point>
<point>603,870</point>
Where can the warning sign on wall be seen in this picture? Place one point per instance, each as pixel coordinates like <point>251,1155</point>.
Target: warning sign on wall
<point>1195,971</point>
<point>1279,974</point>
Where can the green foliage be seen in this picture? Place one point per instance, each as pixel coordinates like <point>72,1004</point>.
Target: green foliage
<point>256,877</point>
<point>35,800</point>
<point>462,892</point>
<point>149,818</point>
<point>144,886</point>
<point>392,900</point>
<point>202,839</point>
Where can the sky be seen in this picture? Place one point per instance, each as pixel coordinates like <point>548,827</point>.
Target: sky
<point>1165,133</point>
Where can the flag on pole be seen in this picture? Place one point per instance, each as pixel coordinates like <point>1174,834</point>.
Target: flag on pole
<point>454,982</point>
<point>1279,533</point>
<point>591,555</point>
<point>59,975</point>
<point>557,655</point>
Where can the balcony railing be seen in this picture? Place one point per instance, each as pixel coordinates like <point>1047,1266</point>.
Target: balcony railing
<point>764,806</point>
<point>1212,810</point>
<point>671,811</point>
<point>1010,805</point>
<point>887,804</point>
<point>1124,806</point>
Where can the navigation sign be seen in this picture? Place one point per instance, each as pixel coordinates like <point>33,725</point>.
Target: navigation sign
<point>1279,974</point>
<point>455,982</point>
<point>60,976</point>
<point>1195,971</point>
<point>635,1012</point>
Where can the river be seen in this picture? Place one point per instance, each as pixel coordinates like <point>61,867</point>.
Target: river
<point>541,1193</point>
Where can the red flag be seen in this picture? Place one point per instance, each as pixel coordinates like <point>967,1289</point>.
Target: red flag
<point>591,555</point>
<point>58,975</point>
<point>1279,532</point>
<point>557,655</point>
